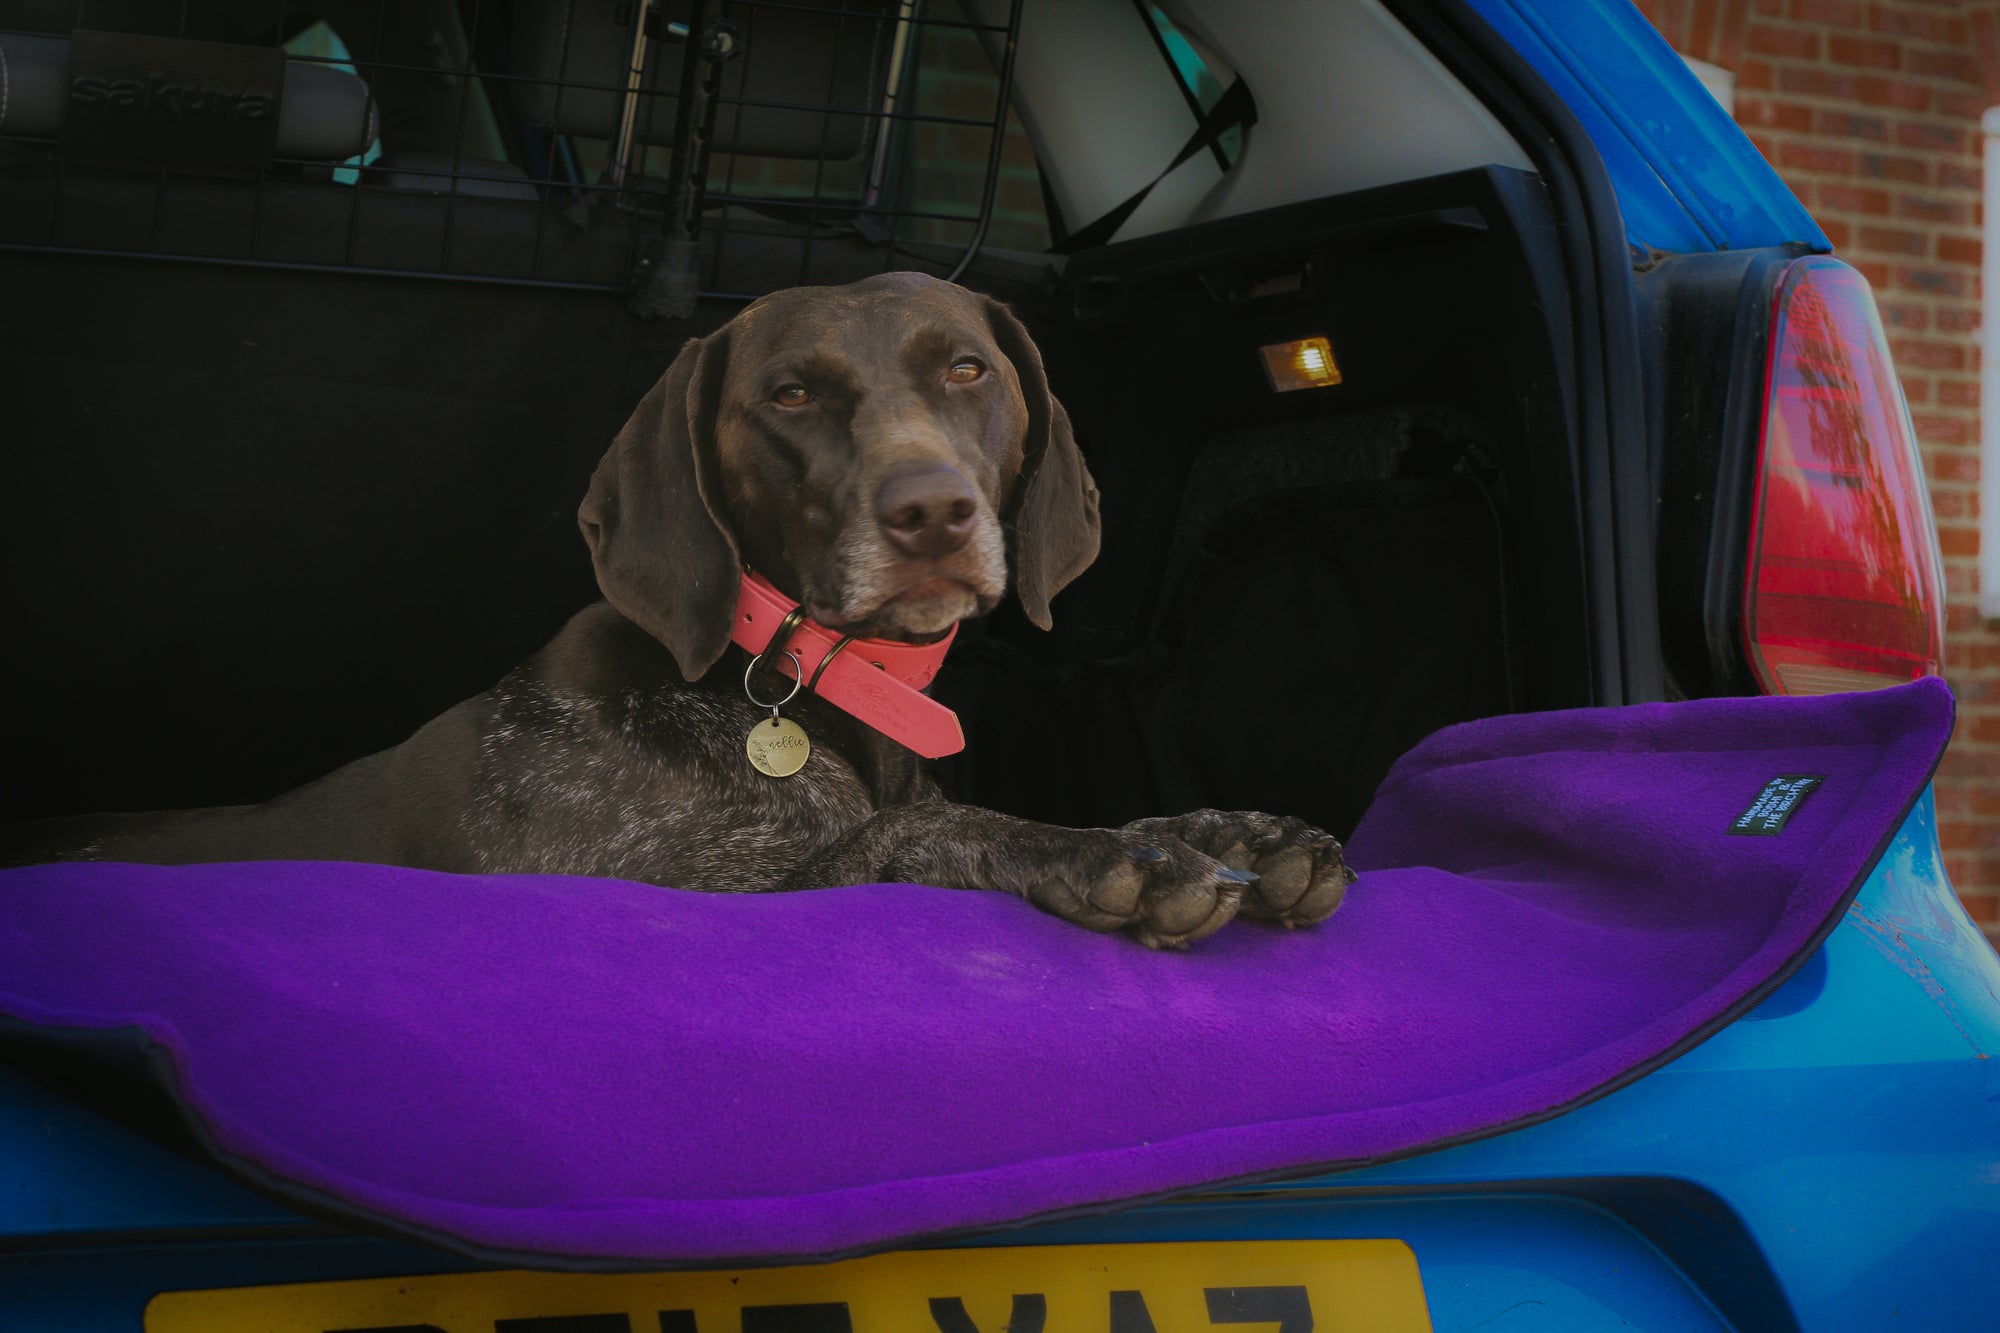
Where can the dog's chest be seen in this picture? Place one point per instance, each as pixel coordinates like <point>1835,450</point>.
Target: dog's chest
<point>654,784</point>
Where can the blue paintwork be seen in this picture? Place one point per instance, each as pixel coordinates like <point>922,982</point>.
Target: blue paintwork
<point>1687,178</point>
<point>1816,1165</point>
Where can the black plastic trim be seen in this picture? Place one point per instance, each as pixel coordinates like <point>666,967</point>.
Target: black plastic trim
<point>1615,509</point>
<point>1707,321</point>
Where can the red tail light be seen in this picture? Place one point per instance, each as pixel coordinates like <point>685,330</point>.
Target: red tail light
<point>1844,590</point>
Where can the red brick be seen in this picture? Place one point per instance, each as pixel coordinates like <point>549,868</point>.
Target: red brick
<point>1670,17</point>
<point>1916,388</point>
<point>1874,270</point>
<point>1894,167</point>
<point>1956,505</point>
<point>1767,7</point>
<point>1904,316</point>
<point>1984,691</point>
<point>1933,208</point>
<point>1818,81</point>
<point>1965,541</point>
<point>1838,233</point>
<point>1931,137</point>
<point>1960,106</point>
<point>1958,66</point>
<point>1958,319</point>
<point>1929,353</point>
<point>1985,25</point>
<point>1834,13</point>
<point>1850,125</point>
<point>1968,834</point>
<point>1771,40</point>
<point>1908,23</point>
<point>1957,176</point>
<point>1774,113</point>
<point>1873,90</point>
<point>1983,908</point>
<point>1755,75</point>
<point>1815,157</point>
<point>1935,429</point>
<point>1702,32</point>
<point>1958,393</point>
<point>1895,241</point>
<point>1854,198</point>
<point>1959,249</point>
<point>1864,52</point>
<point>1962,619</point>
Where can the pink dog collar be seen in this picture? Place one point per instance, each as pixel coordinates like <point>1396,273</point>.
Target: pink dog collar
<point>876,680</point>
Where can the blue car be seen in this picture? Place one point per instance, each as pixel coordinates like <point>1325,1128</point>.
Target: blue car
<point>1492,291</point>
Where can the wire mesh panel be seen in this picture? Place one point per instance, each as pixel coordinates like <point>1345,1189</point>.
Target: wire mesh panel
<point>661,147</point>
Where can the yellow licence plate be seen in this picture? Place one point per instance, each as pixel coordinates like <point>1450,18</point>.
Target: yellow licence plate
<point>1282,1286</point>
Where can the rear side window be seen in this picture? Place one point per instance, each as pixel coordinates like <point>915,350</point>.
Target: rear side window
<point>1196,71</point>
<point>319,42</point>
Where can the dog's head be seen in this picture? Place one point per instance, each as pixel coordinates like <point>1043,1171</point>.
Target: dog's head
<point>874,450</point>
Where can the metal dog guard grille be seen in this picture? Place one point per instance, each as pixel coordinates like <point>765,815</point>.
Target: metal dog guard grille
<point>456,177</point>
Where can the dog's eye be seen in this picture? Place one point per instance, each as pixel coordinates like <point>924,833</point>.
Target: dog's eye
<point>792,395</point>
<point>965,372</point>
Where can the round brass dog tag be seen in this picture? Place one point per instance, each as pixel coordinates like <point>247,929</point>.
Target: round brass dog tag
<point>778,748</point>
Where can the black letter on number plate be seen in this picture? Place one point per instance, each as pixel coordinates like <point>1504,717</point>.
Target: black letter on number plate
<point>1287,1307</point>
<point>1129,1313</point>
<point>824,1317</point>
<point>1027,1316</point>
<point>565,1323</point>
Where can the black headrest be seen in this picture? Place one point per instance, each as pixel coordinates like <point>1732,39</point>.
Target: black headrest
<point>167,99</point>
<point>807,58</point>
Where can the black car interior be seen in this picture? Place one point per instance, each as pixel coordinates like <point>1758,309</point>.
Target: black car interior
<point>296,447</point>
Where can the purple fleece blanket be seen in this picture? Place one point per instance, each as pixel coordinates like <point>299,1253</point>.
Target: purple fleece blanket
<point>591,1073</point>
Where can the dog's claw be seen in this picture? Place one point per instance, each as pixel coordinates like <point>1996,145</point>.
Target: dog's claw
<point>1286,870</point>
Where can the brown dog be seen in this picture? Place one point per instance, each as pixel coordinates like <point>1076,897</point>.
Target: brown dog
<point>874,451</point>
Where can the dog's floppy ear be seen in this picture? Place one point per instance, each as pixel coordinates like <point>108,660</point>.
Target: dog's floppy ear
<point>664,556</point>
<point>1054,505</point>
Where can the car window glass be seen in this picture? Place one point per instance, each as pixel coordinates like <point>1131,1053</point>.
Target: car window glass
<point>1202,76</point>
<point>320,42</point>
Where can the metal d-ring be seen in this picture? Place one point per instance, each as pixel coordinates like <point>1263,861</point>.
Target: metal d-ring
<point>812,686</point>
<point>798,680</point>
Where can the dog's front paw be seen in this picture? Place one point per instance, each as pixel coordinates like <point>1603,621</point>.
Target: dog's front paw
<point>1299,874</point>
<point>1167,893</point>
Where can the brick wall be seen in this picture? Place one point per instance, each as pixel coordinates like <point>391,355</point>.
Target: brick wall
<point>1870,110</point>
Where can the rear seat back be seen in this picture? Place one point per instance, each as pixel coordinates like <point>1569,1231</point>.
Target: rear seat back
<point>573,56</point>
<point>164,99</point>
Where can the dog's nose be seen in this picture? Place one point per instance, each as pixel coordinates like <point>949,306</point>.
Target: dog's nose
<point>926,511</point>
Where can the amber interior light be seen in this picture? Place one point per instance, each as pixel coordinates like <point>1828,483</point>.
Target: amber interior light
<point>1305,364</point>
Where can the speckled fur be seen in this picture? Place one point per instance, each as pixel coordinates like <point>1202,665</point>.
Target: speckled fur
<point>617,750</point>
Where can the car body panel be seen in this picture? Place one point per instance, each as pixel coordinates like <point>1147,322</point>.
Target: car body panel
<point>1687,177</point>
